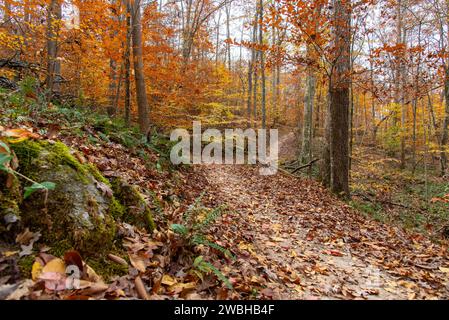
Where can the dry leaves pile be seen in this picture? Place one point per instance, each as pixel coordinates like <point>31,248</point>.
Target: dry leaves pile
<point>290,237</point>
<point>296,241</point>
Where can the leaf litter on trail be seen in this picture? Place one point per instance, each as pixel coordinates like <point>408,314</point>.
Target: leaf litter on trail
<point>290,237</point>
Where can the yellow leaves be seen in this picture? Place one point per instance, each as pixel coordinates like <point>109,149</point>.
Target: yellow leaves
<point>55,266</point>
<point>277,239</point>
<point>168,280</point>
<point>444,270</point>
<point>175,287</point>
<point>36,270</point>
<point>181,287</point>
<point>11,41</point>
<point>19,135</point>
<point>8,254</point>
<point>293,254</point>
<point>247,247</point>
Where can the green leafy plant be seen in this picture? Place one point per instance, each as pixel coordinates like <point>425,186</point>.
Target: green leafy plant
<point>196,222</point>
<point>193,232</point>
<point>201,267</point>
<point>6,157</point>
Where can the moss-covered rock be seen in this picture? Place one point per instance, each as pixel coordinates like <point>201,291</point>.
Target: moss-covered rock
<point>137,212</point>
<point>78,213</point>
<point>10,199</point>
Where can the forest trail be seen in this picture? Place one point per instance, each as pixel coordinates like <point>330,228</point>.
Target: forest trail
<point>304,244</point>
<point>296,240</point>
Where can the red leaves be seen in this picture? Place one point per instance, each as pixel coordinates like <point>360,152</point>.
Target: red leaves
<point>334,253</point>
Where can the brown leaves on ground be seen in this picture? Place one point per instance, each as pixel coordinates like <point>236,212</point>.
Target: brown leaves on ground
<point>290,237</point>
<point>294,240</point>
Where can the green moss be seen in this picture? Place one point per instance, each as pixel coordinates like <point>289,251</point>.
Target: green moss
<point>59,248</point>
<point>116,209</point>
<point>137,212</point>
<point>150,221</point>
<point>76,215</point>
<point>107,269</point>
<point>26,265</point>
<point>96,174</point>
<point>10,199</point>
<point>29,152</point>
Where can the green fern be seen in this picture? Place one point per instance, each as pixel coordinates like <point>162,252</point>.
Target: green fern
<point>210,218</point>
<point>200,267</point>
<point>201,240</point>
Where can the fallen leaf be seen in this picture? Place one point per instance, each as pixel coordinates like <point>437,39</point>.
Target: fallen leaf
<point>55,266</point>
<point>73,258</point>
<point>168,280</point>
<point>22,291</point>
<point>27,237</point>
<point>137,262</point>
<point>26,250</point>
<point>181,287</point>
<point>36,270</point>
<point>334,253</point>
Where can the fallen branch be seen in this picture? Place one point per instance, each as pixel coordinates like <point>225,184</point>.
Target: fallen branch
<point>386,202</point>
<point>311,163</point>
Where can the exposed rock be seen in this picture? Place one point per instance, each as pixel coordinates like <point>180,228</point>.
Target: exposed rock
<point>137,212</point>
<point>77,214</point>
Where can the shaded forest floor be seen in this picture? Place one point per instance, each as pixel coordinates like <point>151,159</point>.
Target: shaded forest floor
<point>414,199</point>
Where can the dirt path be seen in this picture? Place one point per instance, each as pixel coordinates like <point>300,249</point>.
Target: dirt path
<point>293,240</point>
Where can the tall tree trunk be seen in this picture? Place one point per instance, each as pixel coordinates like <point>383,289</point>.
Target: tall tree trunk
<point>228,35</point>
<point>128,66</point>
<point>141,92</point>
<point>339,85</point>
<point>255,69</point>
<point>53,64</point>
<point>217,40</point>
<point>398,73</point>
<point>112,110</point>
<point>325,168</point>
<point>273,82</point>
<point>307,125</point>
<point>445,129</point>
<point>403,109</point>
<point>250,90</point>
<point>262,67</point>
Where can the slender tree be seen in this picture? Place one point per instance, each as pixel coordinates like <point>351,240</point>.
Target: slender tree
<point>141,92</point>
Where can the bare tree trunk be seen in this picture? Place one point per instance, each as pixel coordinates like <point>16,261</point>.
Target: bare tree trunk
<point>325,169</point>
<point>228,35</point>
<point>217,40</point>
<point>255,69</point>
<point>339,85</point>
<point>403,113</point>
<point>250,89</point>
<point>445,132</point>
<point>273,82</point>
<point>398,73</point>
<point>53,64</point>
<point>262,68</point>
<point>128,66</point>
<point>141,92</point>
<point>112,110</point>
<point>309,100</point>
